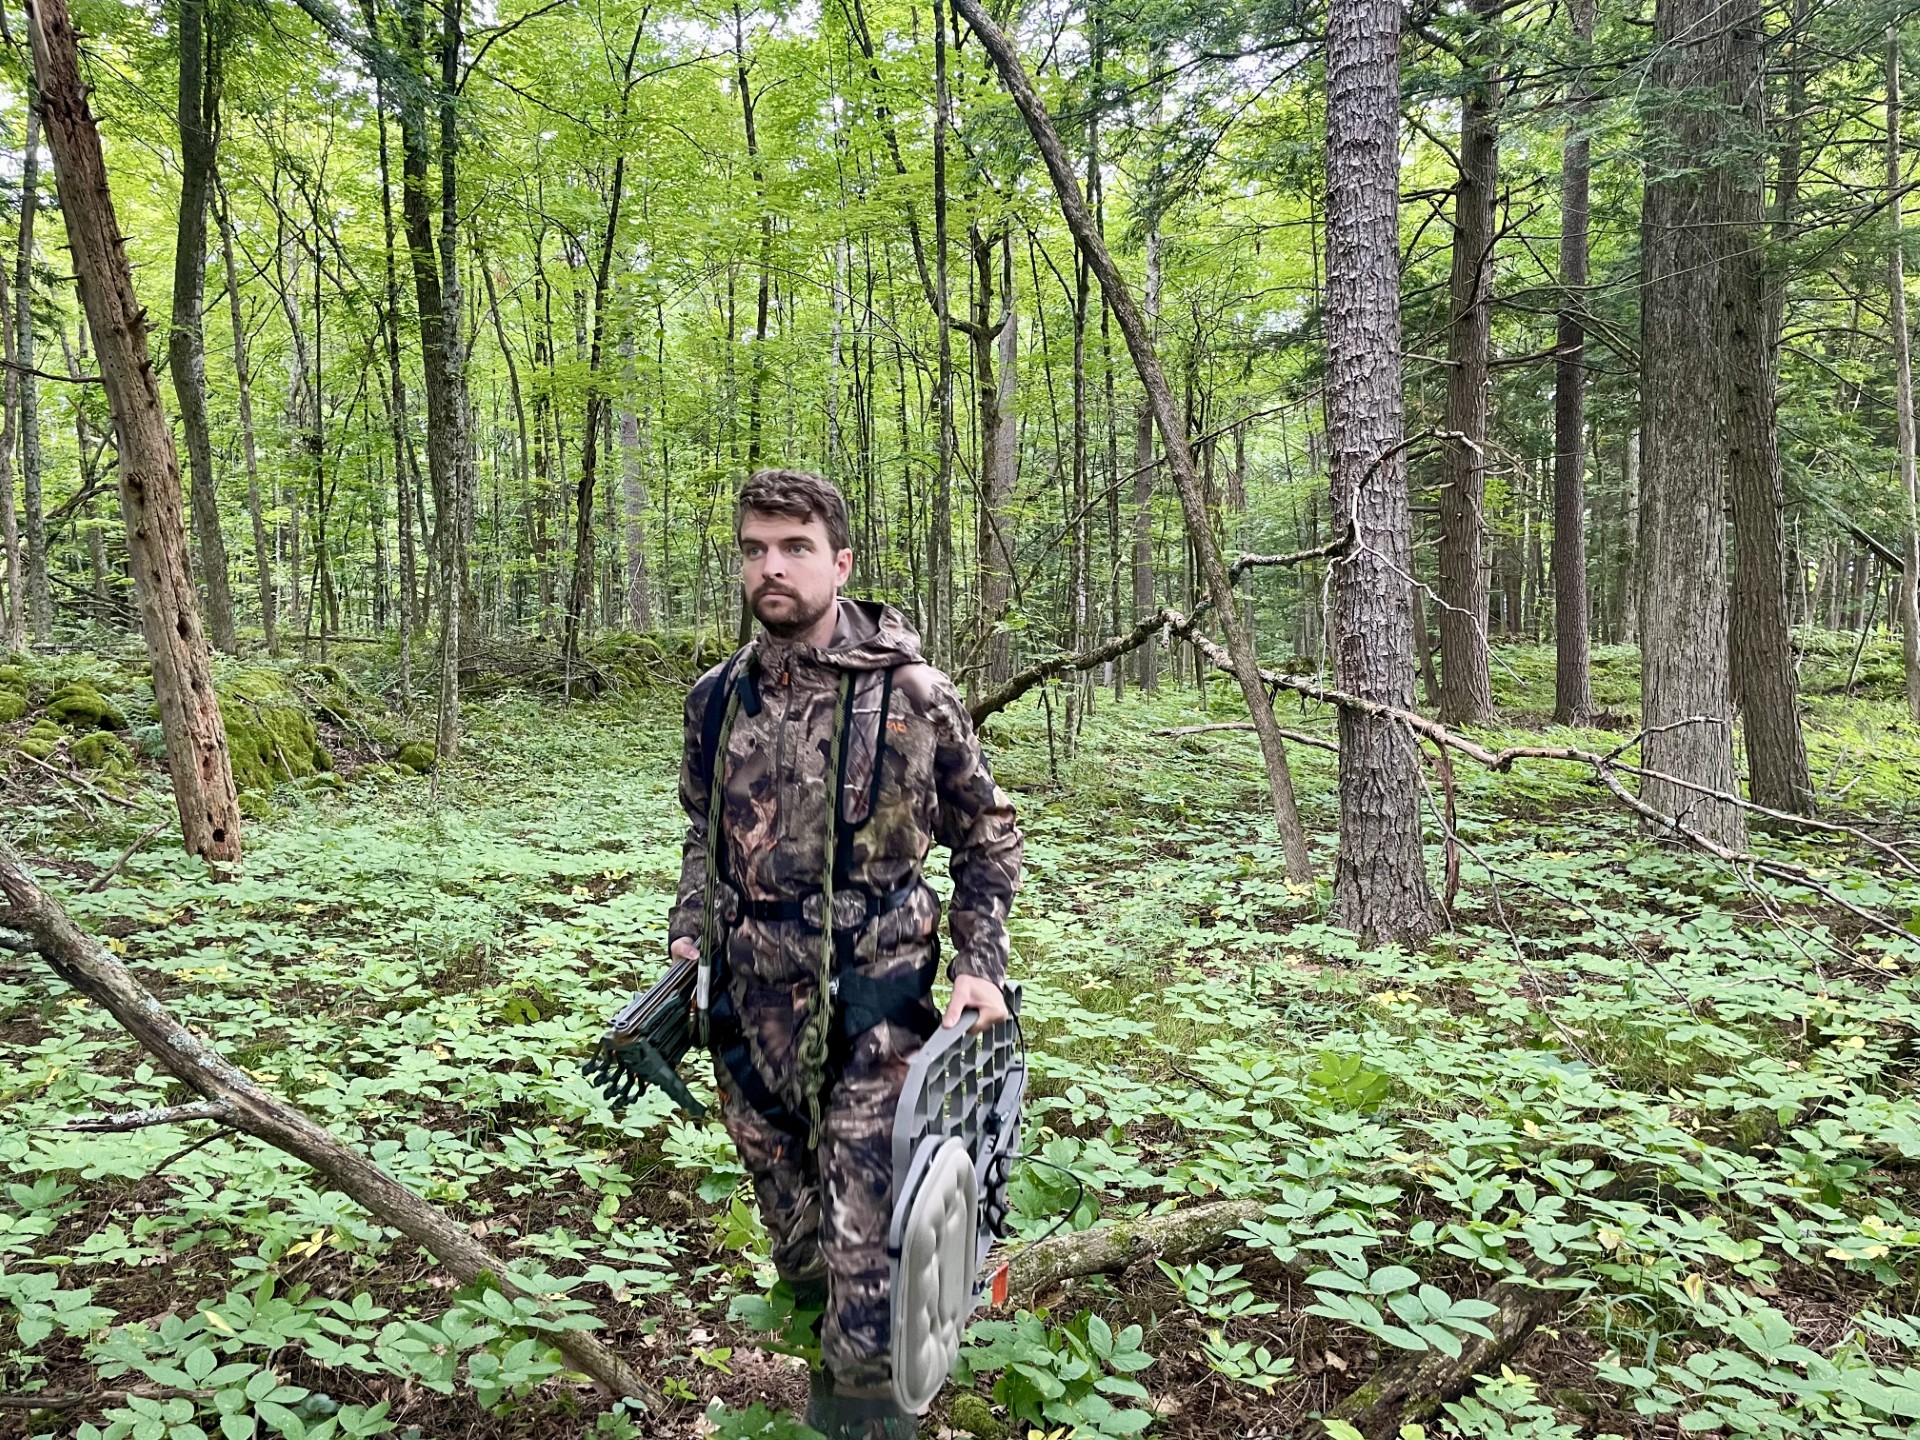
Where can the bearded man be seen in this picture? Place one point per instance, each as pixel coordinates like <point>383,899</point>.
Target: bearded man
<point>821,763</point>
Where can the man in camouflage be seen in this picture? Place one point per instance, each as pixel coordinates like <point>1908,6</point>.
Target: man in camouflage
<point>838,709</point>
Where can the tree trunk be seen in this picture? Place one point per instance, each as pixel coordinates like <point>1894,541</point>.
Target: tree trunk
<point>634,498</point>
<point>939,581</point>
<point>13,616</point>
<point>186,340</point>
<point>1903,388</point>
<point>1761,637</point>
<point>995,565</point>
<point>1572,673</point>
<point>403,458</point>
<point>1629,628</point>
<point>1143,478</point>
<point>149,471</point>
<point>262,551</point>
<point>1466,685</point>
<point>995,541</point>
<point>756,377</point>
<point>1380,886</point>
<point>1687,702</point>
<point>442,360</point>
<point>39,601</point>
<point>1172,429</point>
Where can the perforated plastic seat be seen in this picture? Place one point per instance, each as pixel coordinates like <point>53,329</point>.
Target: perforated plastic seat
<point>955,1137</point>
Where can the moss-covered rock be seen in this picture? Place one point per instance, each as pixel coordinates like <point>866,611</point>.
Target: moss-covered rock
<point>417,756</point>
<point>42,740</point>
<point>13,677</point>
<point>80,706</point>
<point>104,751</point>
<point>13,704</point>
<point>970,1415</point>
<point>269,735</point>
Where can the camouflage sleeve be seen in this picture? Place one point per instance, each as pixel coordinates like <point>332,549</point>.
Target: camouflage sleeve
<point>686,918</point>
<point>976,822</point>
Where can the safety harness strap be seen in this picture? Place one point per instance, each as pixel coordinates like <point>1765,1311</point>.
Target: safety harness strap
<point>858,1003</point>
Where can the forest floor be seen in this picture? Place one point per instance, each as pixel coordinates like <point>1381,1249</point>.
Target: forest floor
<point>1684,1094</point>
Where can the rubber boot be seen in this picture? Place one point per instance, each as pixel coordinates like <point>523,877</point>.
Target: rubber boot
<point>863,1415</point>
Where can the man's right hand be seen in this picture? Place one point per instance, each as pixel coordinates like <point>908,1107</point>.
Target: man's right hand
<point>685,948</point>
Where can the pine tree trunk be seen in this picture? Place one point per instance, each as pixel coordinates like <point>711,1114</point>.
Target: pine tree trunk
<point>1380,885</point>
<point>1466,685</point>
<point>13,616</point>
<point>39,601</point>
<point>149,470</point>
<point>1686,690</point>
<point>1572,674</point>
<point>186,340</point>
<point>1903,388</point>
<point>1761,638</point>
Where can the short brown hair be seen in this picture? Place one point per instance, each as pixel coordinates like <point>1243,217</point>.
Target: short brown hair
<point>798,495</point>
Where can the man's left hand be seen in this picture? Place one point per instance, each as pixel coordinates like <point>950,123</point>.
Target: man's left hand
<point>970,992</point>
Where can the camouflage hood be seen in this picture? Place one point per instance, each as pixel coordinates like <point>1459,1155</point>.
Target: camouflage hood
<point>869,635</point>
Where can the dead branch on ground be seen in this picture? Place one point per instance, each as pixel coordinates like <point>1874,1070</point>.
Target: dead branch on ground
<point>248,1108</point>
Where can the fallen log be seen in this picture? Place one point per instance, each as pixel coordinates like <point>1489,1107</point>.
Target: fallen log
<point>1295,737</point>
<point>248,1108</point>
<point>1176,1237</point>
<point>1607,769</point>
<point>1412,1389</point>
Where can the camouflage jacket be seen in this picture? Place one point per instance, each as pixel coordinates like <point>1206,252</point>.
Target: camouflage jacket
<point>933,784</point>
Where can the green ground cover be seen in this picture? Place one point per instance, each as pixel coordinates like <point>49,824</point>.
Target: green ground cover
<point>1682,1094</point>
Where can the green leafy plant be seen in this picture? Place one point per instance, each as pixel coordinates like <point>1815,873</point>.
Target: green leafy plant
<point>1061,1374</point>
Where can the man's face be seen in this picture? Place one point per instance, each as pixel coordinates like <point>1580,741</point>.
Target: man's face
<point>790,570</point>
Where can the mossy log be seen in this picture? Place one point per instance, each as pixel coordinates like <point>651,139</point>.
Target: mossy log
<point>1177,1237</point>
<point>1411,1390</point>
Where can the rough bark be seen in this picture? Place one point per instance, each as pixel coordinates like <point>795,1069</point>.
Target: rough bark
<point>149,471</point>
<point>234,1098</point>
<point>199,116</point>
<point>262,551</point>
<point>1166,415</point>
<point>1380,885</point>
<point>39,601</point>
<point>1573,671</point>
<point>1466,683</point>
<point>1909,581</point>
<point>1686,689</point>
<point>13,617</point>
<point>1761,636</point>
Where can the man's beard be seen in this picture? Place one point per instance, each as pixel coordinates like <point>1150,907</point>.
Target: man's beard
<point>802,619</point>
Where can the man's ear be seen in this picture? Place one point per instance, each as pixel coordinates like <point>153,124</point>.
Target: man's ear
<point>843,565</point>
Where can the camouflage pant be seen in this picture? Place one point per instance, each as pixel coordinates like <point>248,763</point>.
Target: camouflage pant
<point>827,1209</point>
